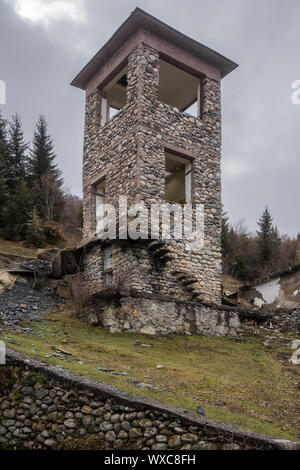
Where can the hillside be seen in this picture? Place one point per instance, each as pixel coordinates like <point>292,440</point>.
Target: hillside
<point>247,381</point>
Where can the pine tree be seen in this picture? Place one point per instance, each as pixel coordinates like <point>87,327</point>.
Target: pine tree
<point>18,158</point>
<point>42,156</point>
<point>225,233</point>
<point>298,249</point>
<point>3,166</point>
<point>268,242</point>
<point>16,212</point>
<point>264,234</point>
<point>34,231</point>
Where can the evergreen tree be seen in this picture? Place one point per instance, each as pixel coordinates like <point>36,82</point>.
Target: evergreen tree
<point>42,156</point>
<point>240,269</point>
<point>268,242</point>
<point>4,153</point>
<point>16,212</point>
<point>34,231</point>
<point>225,233</point>
<point>265,235</point>
<point>17,160</point>
<point>4,150</point>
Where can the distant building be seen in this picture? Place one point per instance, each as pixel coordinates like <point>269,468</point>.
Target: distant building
<point>281,290</point>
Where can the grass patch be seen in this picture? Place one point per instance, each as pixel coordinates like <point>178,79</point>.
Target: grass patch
<point>258,391</point>
<point>13,248</point>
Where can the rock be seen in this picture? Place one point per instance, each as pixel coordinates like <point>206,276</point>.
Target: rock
<point>188,437</point>
<point>87,420</point>
<point>87,410</point>
<point>219,403</point>
<point>201,411</point>
<point>70,423</point>
<point>143,385</point>
<point>150,432</point>
<point>159,446</point>
<point>134,433</point>
<point>9,413</point>
<point>148,330</point>
<point>28,390</point>
<point>51,443</point>
<point>105,426</point>
<point>62,351</point>
<point>92,319</point>
<point>118,444</point>
<point>110,436</point>
<point>295,344</point>
<point>41,393</point>
<point>161,438</point>
<point>115,418</point>
<point>145,423</point>
<point>126,426</point>
<point>174,442</point>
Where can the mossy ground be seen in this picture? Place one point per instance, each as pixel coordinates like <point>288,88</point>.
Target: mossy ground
<point>259,390</point>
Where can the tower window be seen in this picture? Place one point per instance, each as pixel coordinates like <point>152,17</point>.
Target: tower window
<point>178,182</point>
<point>179,89</point>
<point>107,257</point>
<point>100,200</point>
<point>114,96</point>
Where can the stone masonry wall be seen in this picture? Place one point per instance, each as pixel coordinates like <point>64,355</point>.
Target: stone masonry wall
<point>48,407</point>
<point>130,151</point>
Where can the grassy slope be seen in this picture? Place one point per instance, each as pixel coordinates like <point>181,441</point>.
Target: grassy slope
<point>259,392</point>
<point>17,249</point>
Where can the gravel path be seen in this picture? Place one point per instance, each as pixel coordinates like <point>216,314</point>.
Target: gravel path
<point>24,303</point>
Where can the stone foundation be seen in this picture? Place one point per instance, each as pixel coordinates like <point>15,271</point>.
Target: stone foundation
<point>151,315</point>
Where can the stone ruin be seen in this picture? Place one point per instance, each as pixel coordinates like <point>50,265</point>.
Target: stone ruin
<point>140,142</point>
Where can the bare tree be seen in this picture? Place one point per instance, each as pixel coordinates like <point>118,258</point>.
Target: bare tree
<point>49,197</point>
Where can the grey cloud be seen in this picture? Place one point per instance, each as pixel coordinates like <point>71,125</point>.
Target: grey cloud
<point>260,124</point>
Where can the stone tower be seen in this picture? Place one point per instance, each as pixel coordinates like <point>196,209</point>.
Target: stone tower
<point>141,142</point>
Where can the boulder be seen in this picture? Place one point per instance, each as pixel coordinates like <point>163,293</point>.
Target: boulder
<point>148,330</point>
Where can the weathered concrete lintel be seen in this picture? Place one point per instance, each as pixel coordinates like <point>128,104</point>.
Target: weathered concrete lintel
<point>73,379</point>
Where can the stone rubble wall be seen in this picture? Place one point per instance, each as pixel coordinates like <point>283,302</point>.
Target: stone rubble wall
<point>163,317</point>
<point>48,407</point>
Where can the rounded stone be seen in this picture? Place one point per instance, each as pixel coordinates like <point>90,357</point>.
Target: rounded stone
<point>174,442</point>
<point>110,436</point>
<point>118,444</point>
<point>105,426</point>
<point>161,438</point>
<point>70,423</point>
<point>115,418</point>
<point>126,426</point>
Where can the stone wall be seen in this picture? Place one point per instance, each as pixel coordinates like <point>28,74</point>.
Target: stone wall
<point>48,407</point>
<point>165,316</point>
<point>129,150</point>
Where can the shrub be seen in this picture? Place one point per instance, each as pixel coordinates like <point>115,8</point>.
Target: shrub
<point>53,232</point>
<point>120,281</point>
<point>6,377</point>
<point>80,294</point>
<point>34,232</point>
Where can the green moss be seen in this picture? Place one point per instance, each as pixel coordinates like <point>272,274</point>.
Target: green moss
<point>258,392</point>
<point>84,443</point>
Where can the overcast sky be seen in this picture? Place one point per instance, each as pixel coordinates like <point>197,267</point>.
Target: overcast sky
<point>45,43</point>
